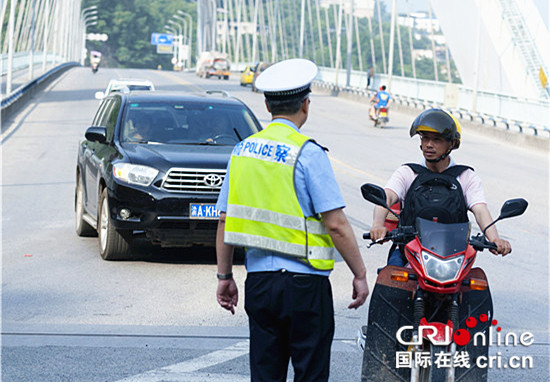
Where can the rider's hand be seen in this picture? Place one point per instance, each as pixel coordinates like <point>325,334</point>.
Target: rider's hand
<point>378,232</point>
<point>503,247</point>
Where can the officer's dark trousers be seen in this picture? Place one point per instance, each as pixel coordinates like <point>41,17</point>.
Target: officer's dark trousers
<point>291,316</point>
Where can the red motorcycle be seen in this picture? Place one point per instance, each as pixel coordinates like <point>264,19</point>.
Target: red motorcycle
<point>422,317</point>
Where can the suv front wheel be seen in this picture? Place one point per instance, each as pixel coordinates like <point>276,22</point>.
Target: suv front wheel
<point>113,245</point>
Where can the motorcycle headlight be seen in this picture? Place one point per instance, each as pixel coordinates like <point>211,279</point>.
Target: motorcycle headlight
<point>440,269</point>
<point>134,174</point>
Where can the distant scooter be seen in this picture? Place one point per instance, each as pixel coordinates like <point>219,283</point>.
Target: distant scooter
<point>95,67</point>
<point>381,118</point>
<point>378,115</point>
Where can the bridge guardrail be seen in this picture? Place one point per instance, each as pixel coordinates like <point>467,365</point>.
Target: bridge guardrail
<point>21,60</point>
<point>16,98</point>
<point>527,116</point>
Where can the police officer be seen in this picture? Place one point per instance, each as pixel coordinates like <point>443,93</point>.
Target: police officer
<point>281,201</point>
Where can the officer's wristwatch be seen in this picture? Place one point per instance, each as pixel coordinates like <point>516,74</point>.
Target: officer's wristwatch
<point>227,276</point>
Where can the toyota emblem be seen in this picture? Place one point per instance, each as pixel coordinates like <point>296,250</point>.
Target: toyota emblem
<point>213,180</point>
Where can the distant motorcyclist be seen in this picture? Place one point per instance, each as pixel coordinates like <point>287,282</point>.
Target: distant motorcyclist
<point>95,59</point>
<point>382,99</point>
<point>440,133</point>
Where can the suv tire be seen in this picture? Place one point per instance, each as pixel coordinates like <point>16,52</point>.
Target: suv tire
<point>113,245</point>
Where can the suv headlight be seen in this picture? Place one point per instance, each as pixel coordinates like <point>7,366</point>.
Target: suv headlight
<point>134,174</point>
<point>440,269</point>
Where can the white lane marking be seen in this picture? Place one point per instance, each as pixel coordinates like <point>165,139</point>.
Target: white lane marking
<point>187,377</point>
<point>186,371</point>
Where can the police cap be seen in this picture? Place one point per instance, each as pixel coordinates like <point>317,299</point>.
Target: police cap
<point>287,79</point>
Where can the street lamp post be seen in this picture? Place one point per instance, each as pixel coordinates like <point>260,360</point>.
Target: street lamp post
<point>89,18</point>
<point>179,38</point>
<point>181,51</point>
<point>190,34</point>
<point>173,31</point>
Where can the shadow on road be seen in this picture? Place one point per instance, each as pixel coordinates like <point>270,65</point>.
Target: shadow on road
<point>143,250</point>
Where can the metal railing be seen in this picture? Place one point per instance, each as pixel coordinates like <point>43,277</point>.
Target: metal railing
<point>522,114</point>
<point>11,102</point>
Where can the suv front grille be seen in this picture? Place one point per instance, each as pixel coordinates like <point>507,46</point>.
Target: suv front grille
<point>193,180</point>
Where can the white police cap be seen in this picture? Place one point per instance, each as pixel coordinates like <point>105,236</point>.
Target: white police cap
<point>287,78</point>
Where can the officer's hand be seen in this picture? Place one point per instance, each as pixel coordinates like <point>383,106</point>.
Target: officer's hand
<point>227,294</point>
<point>503,247</point>
<point>378,232</point>
<point>360,292</point>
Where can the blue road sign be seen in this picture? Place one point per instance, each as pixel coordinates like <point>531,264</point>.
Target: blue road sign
<point>162,39</point>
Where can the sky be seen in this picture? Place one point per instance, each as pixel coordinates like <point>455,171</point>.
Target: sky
<point>422,5</point>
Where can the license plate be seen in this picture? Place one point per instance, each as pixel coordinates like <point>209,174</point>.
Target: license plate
<point>203,211</point>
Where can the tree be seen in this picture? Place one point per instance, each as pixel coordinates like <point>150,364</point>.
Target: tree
<point>129,25</point>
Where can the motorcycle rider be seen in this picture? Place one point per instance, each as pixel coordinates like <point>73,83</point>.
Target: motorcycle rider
<point>95,59</point>
<point>440,133</point>
<point>381,99</point>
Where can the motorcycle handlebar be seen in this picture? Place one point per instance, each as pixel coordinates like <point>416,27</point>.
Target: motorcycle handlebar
<point>404,234</point>
<point>398,235</point>
<point>480,242</point>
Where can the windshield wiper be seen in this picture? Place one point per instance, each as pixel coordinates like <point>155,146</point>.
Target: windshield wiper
<point>237,133</point>
<point>146,142</point>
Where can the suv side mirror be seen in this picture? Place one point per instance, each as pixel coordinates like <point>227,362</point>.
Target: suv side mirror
<point>96,134</point>
<point>99,95</point>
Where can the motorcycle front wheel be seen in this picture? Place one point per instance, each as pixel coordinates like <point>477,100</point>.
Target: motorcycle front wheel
<point>432,373</point>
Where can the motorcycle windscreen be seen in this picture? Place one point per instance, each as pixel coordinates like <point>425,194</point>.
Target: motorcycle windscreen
<point>443,239</point>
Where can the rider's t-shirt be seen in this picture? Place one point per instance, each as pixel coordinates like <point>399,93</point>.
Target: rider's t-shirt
<point>402,178</point>
<point>382,98</point>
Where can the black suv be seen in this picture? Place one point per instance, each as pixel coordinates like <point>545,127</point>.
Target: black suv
<point>152,165</point>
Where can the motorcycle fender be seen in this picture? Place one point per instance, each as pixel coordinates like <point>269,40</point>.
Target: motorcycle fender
<point>391,307</point>
<point>474,303</point>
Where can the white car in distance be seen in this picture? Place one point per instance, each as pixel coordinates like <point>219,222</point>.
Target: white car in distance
<point>125,83</point>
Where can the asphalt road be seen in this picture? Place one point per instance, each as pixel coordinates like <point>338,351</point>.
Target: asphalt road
<point>67,315</point>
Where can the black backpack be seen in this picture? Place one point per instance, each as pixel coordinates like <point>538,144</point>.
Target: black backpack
<point>435,196</point>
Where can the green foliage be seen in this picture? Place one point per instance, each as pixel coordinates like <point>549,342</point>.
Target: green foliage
<point>129,25</point>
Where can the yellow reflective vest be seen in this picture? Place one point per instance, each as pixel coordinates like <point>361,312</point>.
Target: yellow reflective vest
<point>263,209</point>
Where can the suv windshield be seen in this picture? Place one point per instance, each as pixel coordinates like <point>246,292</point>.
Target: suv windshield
<point>186,123</point>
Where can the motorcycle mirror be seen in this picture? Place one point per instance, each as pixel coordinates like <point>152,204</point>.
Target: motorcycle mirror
<point>510,208</point>
<point>374,194</point>
<point>513,207</point>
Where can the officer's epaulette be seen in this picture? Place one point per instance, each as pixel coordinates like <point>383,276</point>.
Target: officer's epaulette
<point>321,146</point>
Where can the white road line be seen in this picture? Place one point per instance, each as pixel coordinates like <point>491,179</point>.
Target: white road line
<point>187,377</point>
<point>186,371</point>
